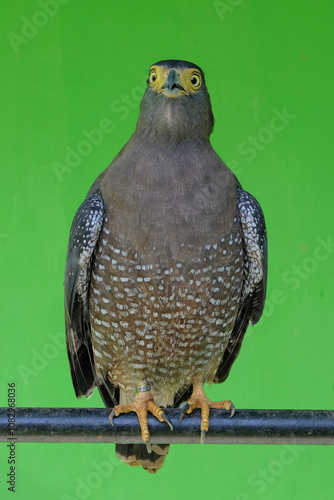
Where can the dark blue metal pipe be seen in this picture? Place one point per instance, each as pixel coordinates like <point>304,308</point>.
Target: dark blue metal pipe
<point>64,425</point>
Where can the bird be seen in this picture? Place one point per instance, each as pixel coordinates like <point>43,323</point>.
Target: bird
<point>166,266</point>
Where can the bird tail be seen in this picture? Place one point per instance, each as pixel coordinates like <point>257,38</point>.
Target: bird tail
<point>137,454</point>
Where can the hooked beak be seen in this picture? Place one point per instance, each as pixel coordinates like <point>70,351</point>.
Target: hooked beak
<point>172,86</point>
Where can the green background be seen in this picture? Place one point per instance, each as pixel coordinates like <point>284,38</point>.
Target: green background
<point>86,62</point>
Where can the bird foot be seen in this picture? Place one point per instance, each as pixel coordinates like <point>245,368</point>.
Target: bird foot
<point>142,404</point>
<point>199,399</point>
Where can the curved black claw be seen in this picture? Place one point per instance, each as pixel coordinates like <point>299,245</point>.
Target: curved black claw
<point>166,419</point>
<point>148,446</point>
<point>111,417</point>
<point>183,411</point>
<point>203,435</point>
<point>232,408</point>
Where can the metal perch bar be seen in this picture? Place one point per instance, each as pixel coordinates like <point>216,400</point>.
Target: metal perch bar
<point>76,425</point>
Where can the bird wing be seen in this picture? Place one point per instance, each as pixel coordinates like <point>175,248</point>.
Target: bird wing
<point>84,234</point>
<point>255,277</point>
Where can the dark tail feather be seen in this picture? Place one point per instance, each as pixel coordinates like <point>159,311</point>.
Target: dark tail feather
<point>137,454</point>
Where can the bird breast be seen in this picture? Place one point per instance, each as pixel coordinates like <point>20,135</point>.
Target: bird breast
<point>166,277</point>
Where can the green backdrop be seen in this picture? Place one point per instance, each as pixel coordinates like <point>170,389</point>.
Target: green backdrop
<point>70,67</point>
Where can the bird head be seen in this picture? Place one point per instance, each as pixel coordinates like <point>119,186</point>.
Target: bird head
<point>176,102</point>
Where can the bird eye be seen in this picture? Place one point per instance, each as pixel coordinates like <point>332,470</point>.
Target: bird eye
<point>195,80</point>
<point>153,77</point>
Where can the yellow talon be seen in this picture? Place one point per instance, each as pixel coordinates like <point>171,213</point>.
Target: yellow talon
<point>142,404</point>
<point>199,399</point>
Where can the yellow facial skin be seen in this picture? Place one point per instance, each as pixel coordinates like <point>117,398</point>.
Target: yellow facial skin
<point>175,82</point>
